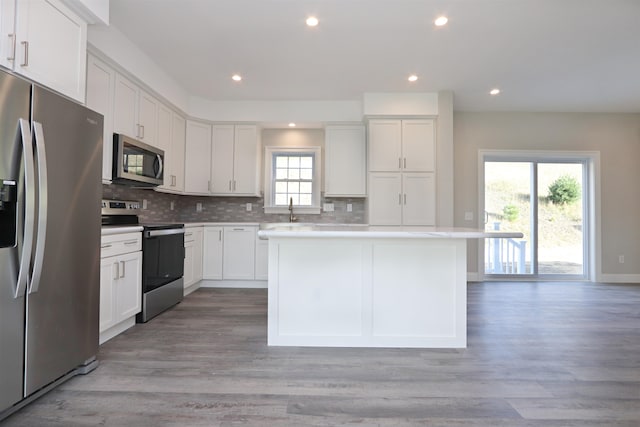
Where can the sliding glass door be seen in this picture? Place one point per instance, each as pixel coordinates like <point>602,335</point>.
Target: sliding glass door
<point>545,200</point>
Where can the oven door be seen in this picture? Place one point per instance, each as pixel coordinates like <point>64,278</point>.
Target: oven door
<point>162,257</point>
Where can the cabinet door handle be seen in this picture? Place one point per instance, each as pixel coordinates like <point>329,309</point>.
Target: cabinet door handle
<point>105,246</point>
<point>209,186</point>
<point>234,185</point>
<point>117,265</point>
<point>400,199</point>
<point>399,163</point>
<point>142,127</point>
<point>137,130</point>
<point>123,272</point>
<point>188,234</point>
<point>173,180</point>
<point>239,229</point>
<point>12,39</point>
<point>25,44</point>
<point>131,242</point>
<point>220,235</point>
<point>405,198</point>
<point>229,185</point>
<point>405,162</point>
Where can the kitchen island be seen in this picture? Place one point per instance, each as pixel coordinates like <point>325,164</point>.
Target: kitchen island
<point>368,286</point>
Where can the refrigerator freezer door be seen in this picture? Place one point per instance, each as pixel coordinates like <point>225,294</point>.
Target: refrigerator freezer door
<point>63,306</point>
<point>15,97</point>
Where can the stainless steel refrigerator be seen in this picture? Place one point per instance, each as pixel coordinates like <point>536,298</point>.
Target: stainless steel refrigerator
<point>50,192</point>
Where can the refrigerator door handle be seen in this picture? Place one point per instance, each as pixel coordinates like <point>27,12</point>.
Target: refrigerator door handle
<point>41,160</point>
<point>29,206</point>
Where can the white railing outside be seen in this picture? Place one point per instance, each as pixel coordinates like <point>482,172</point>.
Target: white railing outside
<point>505,256</point>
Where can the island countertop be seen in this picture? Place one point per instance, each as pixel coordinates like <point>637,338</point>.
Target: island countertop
<point>374,231</point>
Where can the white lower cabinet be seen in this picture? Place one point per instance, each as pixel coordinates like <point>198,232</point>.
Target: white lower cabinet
<point>212,256</point>
<point>239,253</point>
<point>192,256</point>
<point>120,283</point>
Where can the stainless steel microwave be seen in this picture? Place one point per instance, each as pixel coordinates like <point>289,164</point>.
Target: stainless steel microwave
<point>136,163</point>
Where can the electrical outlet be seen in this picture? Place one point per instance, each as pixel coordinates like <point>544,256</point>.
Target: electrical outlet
<point>144,203</point>
<point>621,259</point>
<point>328,207</point>
<point>172,205</point>
<point>198,207</point>
<point>249,207</point>
<point>349,207</point>
<point>468,216</point>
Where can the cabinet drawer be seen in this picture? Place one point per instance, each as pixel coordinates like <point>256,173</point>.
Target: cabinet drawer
<point>190,234</point>
<point>118,244</point>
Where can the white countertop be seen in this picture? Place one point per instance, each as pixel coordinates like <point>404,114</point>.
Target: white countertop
<point>367,231</point>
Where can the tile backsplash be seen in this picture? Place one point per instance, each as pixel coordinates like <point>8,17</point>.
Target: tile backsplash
<point>226,209</point>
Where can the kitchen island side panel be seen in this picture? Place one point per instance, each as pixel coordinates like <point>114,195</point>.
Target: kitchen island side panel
<point>367,292</point>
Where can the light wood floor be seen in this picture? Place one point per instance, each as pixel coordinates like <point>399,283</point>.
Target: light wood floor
<point>539,354</point>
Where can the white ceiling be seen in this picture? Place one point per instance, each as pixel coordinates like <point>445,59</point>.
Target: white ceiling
<point>545,55</point>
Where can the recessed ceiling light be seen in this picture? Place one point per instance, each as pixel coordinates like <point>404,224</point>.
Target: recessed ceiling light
<point>412,78</point>
<point>494,91</point>
<point>441,20</point>
<point>312,21</point>
<point>236,77</point>
<point>292,125</point>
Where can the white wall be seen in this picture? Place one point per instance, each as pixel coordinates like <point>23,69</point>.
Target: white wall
<point>115,46</point>
<point>615,136</point>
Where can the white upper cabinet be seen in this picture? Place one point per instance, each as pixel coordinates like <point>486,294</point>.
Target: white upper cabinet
<point>401,146</point>
<point>235,160</point>
<point>7,33</point>
<point>100,87</point>
<point>174,158</point>
<point>197,164</point>
<point>135,112</point>
<point>345,161</point>
<point>49,45</point>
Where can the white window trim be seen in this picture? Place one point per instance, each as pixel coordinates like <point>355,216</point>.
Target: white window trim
<point>269,208</point>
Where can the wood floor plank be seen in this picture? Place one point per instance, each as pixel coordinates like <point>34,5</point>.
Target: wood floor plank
<point>539,355</point>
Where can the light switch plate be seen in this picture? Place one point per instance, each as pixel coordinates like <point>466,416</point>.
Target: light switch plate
<point>468,216</point>
<point>144,203</point>
<point>173,205</point>
<point>349,207</point>
<point>198,207</point>
<point>249,207</point>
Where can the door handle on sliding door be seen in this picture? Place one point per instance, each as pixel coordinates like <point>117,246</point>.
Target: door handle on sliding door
<point>24,133</point>
<point>41,238</point>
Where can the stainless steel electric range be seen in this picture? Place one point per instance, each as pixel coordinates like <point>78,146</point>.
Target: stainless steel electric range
<point>162,257</point>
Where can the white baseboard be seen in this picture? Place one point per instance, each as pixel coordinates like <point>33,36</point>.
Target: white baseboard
<point>191,288</point>
<point>473,276</point>
<point>253,284</point>
<point>619,278</point>
<point>117,329</point>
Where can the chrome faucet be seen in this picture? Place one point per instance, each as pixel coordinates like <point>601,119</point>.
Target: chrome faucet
<point>291,217</point>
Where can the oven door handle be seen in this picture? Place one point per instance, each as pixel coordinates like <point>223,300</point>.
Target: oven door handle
<point>154,233</point>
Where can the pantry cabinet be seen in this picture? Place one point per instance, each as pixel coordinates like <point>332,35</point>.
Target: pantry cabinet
<point>235,160</point>
<point>47,44</point>
<point>345,161</point>
<point>402,172</point>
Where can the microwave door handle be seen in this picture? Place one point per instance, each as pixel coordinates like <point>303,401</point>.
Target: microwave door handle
<point>24,132</point>
<point>42,207</point>
<point>160,166</point>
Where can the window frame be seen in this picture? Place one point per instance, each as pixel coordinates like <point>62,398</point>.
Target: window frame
<point>269,179</point>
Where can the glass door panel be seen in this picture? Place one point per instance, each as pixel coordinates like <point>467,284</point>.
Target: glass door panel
<point>508,207</point>
<point>560,219</point>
